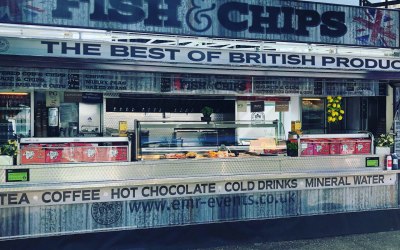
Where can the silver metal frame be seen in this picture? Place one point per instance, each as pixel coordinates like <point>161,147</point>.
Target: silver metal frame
<point>125,37</point>
<point>61,176</point>
<point>194,125</point>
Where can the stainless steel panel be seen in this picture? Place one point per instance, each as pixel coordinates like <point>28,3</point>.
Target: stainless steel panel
<point>101,174</point>
<point>39,221</point>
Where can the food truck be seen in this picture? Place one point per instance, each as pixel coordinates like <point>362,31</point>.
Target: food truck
<point>117,116</point>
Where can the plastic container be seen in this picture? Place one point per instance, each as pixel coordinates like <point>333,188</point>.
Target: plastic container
<point>33,155</point>
<point>53,155</point>
<point>88,154</point>
<point>307,147</point>
<point>363,146</point>
<point>334,146</point>
<point>395,161</point>
<point>389,162</point>
<point>347,147</point>
<point>321,147</point>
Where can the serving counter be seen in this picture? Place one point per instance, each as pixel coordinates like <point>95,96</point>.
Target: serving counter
<point>79,198</point>
<point>175,139</point>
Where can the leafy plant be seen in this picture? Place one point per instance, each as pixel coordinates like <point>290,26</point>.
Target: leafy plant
<point>334,109</point>
<point>10,148</point>
<point>292,148</point>
<point>207,111</point>
<point>385,140</point>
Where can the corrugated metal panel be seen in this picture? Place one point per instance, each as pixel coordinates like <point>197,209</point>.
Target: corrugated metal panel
<point>365,26</point>
<point>80,218</point>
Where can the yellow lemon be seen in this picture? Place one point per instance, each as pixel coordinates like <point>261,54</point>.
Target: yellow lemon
<point>334,105</point>
<point>339,97</point>
<point>338,106</point>
<point>342,111</point>
<point>340,118</point>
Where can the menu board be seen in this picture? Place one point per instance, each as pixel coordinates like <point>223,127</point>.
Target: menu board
<point>106,81</point>
<point>355,88</point>
<point>297,86</point>
<point>73,81</point>
<point>397,137</point>
<point>257,106</point>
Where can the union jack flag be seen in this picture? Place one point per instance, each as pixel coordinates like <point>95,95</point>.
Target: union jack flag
<point>13,10</point>
<point>376,28</point>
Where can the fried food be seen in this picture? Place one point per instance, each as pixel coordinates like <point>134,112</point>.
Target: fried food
<point>191,155</point>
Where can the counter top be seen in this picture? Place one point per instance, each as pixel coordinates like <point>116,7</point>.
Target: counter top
<point>189,170</point>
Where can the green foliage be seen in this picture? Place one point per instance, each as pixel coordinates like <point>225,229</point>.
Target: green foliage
<point>385,140</point>
<point>207,111</point>
<point>10,148</point>
<point>292,148</point>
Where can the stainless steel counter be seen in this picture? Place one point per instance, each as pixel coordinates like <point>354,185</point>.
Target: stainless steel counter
<point>81,198</point>
<point>188,170</point>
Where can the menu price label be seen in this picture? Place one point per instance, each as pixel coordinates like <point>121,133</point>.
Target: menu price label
<point>73,81</point>
<point>281,106</point>
<point>89,97</point>
<point>17,175</point>
<point>372,162</point>
<point>257,106</point>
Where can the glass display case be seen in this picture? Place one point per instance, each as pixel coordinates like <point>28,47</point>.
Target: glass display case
<point>313,115</point>
<point>15,115</point>
<point>195,139</point>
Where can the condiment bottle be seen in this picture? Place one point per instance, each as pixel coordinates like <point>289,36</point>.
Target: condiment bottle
<point>395,161</point>
<point>389,162</point>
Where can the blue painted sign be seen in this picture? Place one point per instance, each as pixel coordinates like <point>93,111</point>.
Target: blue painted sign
<point>205,57</point>
<point>273,20</point>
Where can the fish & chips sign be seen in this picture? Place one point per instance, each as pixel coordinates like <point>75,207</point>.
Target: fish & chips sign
<point>280,20</point>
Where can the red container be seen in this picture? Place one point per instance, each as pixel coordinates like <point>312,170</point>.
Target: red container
<point>347,147</point>
<point>118,153</point>
<point>334,146</point>
<point>53,155</point>
<point>71,154</point>
<point>102,154</point>
<point>363,146</point>
<point>307,148</point>
<point>321,147</point>
<point>33,155</point>
<point>88,154</point>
